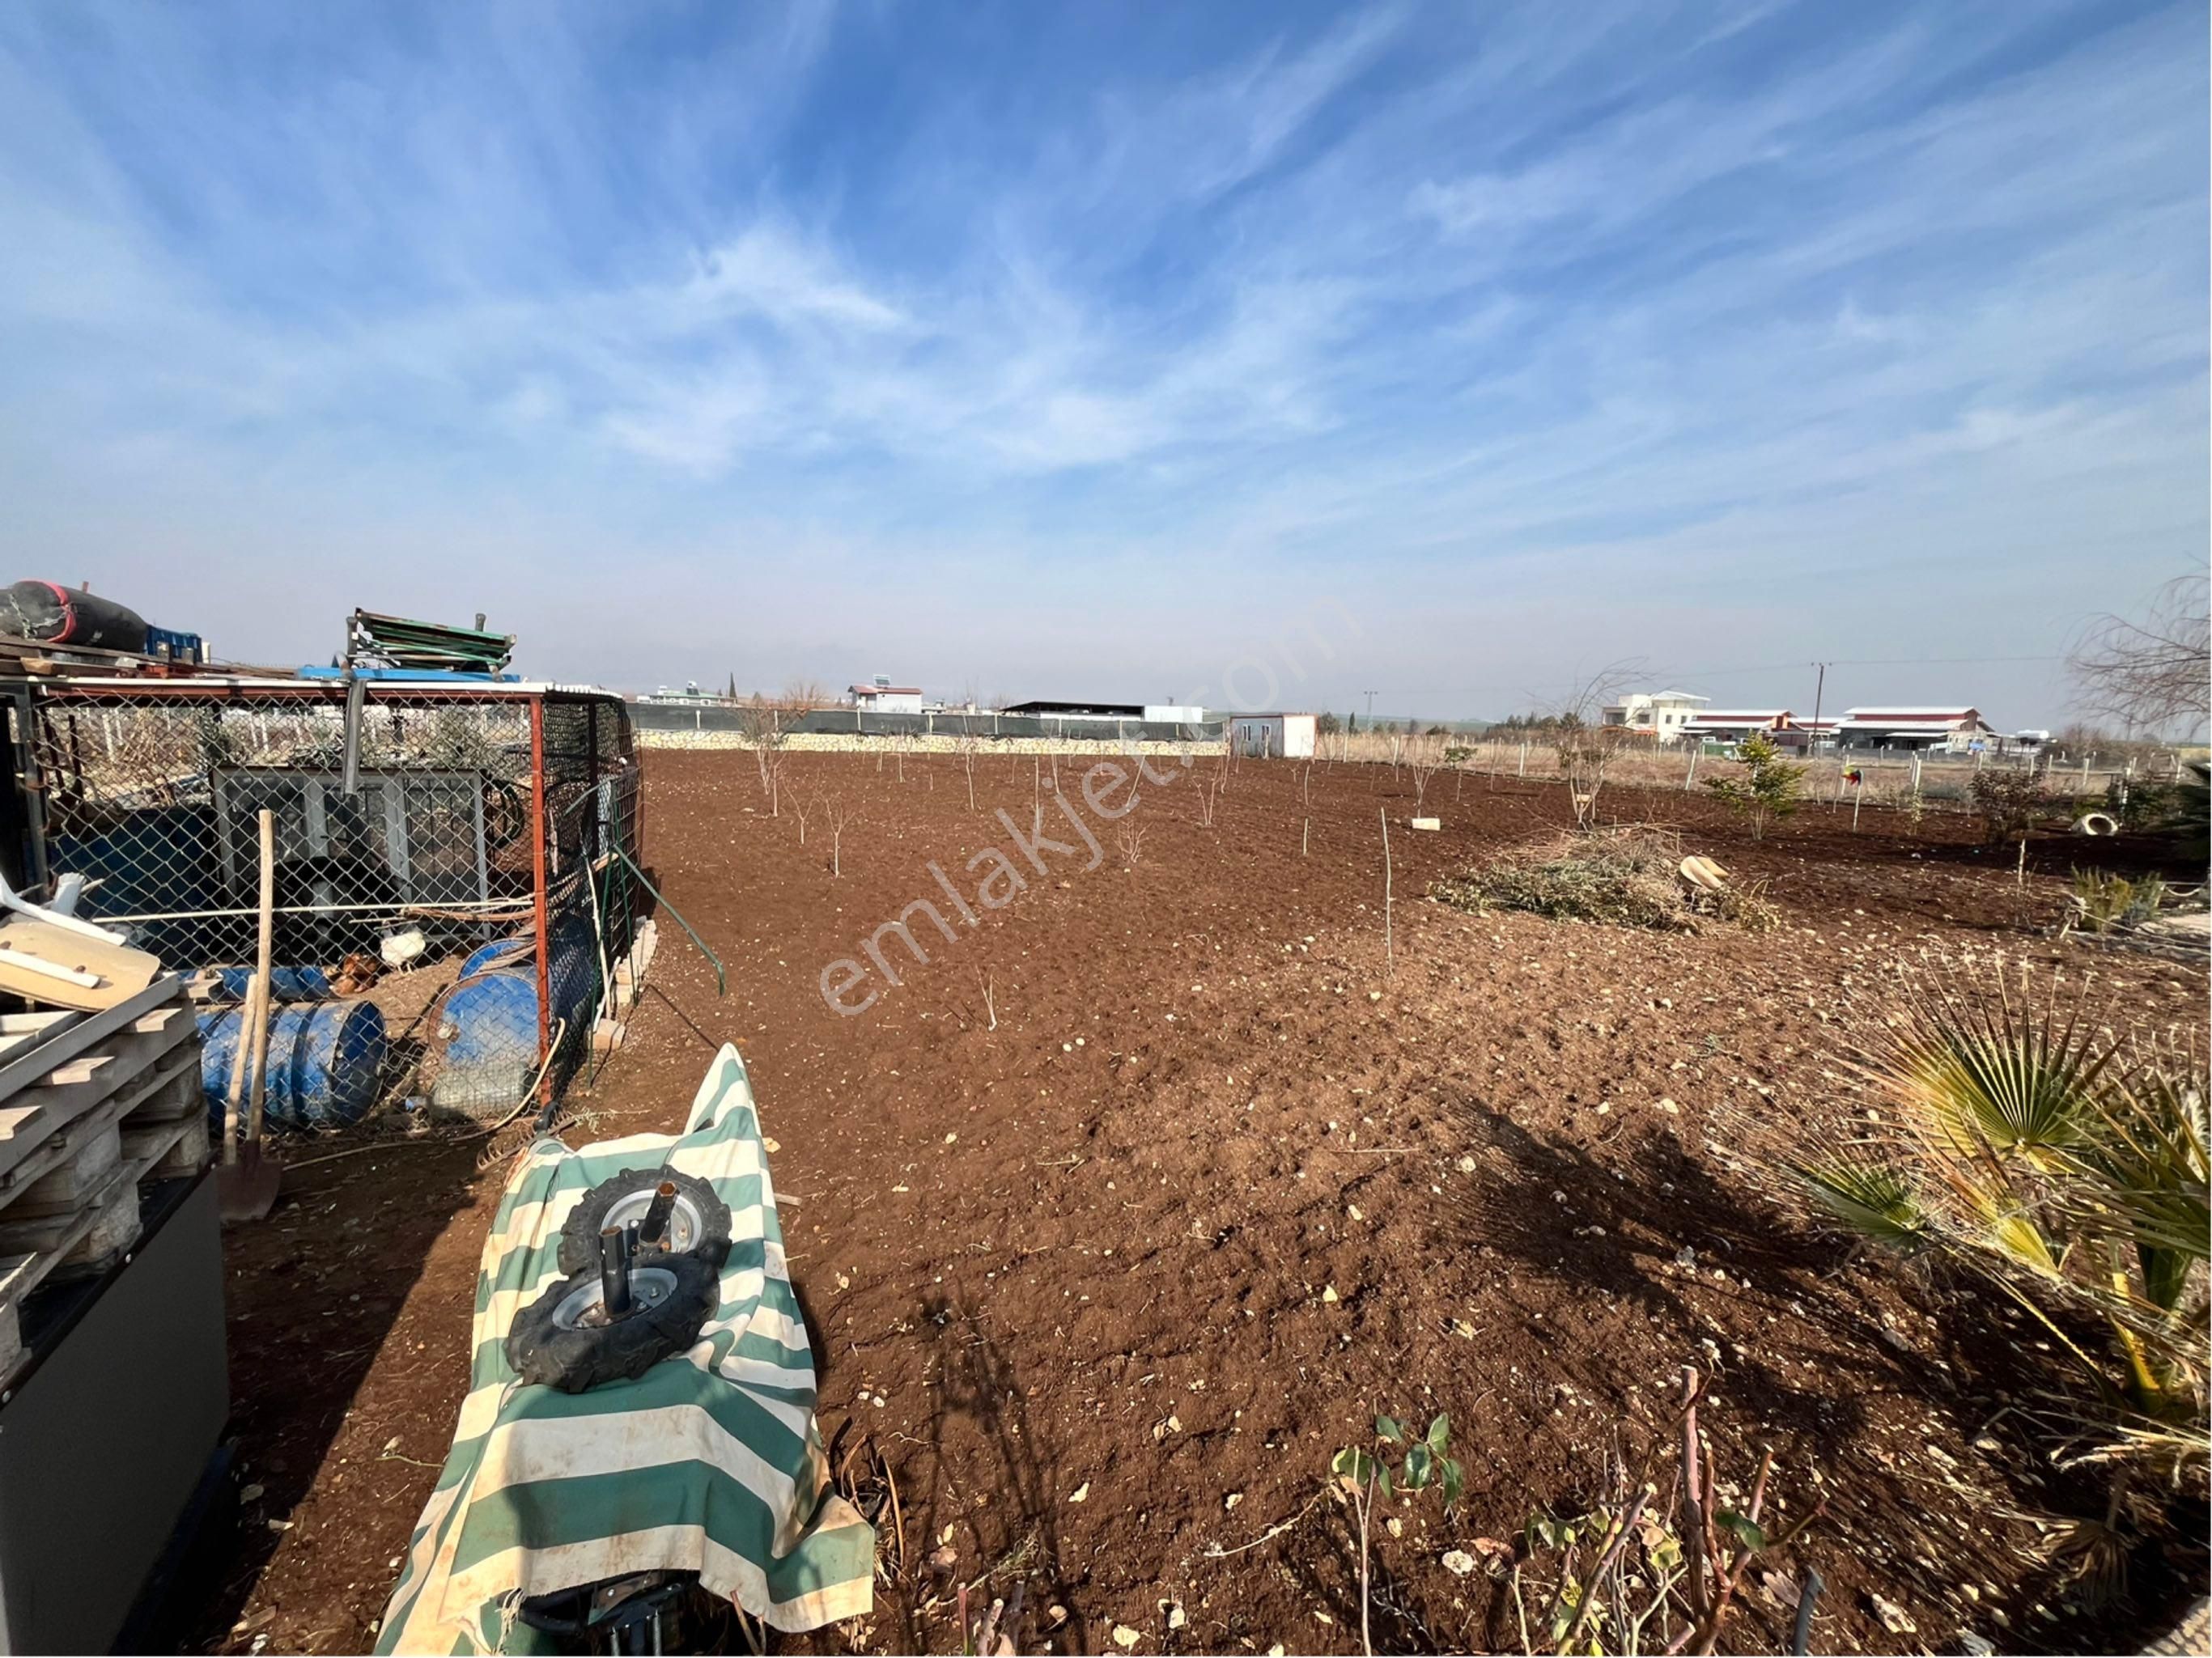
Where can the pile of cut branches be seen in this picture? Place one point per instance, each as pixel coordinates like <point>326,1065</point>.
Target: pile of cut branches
<point>1620,876</point>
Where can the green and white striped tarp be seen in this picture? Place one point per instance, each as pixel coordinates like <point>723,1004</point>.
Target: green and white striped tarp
<point>711,1461</point>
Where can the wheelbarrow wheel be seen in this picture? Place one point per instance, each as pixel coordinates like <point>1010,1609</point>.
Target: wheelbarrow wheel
<point>698,1223</point>
<point>562,1340</point>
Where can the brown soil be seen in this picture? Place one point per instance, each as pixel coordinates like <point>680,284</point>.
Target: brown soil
<point>1108,1284</point>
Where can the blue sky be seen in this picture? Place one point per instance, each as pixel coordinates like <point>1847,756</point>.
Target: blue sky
<point>1085,350</point>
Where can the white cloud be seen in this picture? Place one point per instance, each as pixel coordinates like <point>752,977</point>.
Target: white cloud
<point>1478,298</point>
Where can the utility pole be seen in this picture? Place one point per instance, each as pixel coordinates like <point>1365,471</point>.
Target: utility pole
<point>1820,685</point>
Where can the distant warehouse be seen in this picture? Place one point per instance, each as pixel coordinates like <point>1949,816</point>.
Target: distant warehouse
<point>878,711</point>
<point>1156,713</point>
<point>1932,730</point>
<point>1956,729</point>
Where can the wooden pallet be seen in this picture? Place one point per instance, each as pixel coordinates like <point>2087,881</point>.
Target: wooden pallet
<point>90,1105</point>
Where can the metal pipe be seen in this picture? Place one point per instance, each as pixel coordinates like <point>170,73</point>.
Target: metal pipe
<point>356,699</point>
<point>458,906</point>
<point>614,1270</point>
<point>654,1227</point>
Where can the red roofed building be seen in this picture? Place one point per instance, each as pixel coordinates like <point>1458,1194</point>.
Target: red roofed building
<point>1734,725</point>
<point>1914,727</point>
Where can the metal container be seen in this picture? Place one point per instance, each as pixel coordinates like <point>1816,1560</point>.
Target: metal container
<point>324,1060</point>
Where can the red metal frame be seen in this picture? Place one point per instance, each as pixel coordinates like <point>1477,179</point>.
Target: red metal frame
<point>540,829</point>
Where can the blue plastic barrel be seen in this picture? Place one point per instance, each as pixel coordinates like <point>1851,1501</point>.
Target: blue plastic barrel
<point>489,1027</point>
<point>286,984</point>
<point>500,952</point>
<point>486,1037</point>
<point>324,1059</point>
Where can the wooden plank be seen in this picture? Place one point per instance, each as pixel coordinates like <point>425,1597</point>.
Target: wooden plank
<point>175,1091</point>
<point>84,1240</point>
<point>82,1084</point>
<point>168,1149</point>
<point>58,966</point>
<point>143,1097</point>
<point>114,1229</point>
<point>22,1271</point>
<point>42,1112</point>
<point>56,1235</point>
<point>46,1019</point>
<point>172,1092</point>
<point>12,1273</point>
<point>19,1071</point>
<point>70,1184</point>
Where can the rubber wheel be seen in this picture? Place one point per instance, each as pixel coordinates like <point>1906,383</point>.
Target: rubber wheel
<point>700,1216</point>
<point>547,1345</point>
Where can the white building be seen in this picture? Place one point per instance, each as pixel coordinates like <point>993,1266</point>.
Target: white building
<point>879,695</point>
<point>1734,725</point>
<point>1155,714</point>
<point>1659,714</point>
<point>1273,736</point>
<point>1949,727</point>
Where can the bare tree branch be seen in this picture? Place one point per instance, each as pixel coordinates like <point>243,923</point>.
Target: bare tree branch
<point>2152,674</point>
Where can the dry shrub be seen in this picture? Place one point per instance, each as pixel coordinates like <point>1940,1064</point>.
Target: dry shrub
<point>1622,877</point>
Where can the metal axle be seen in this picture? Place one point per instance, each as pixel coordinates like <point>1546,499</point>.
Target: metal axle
<point>653,1229</point>
<point>615,1245</point>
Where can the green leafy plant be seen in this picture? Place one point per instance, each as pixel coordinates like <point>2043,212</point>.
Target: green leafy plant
<point>1770,787</point>
<point>1626,1576</point>
<point>1365,1475</point>
<point>2009,802</point>
<point>2102,899</point>
<point>2179,807</point>
<point>2109,901</point>
<point>2140,803</point>
<point>2021,1141</point>
<point>2193,803</point>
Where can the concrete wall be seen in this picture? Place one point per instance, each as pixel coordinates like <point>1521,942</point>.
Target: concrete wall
<point>854,742</point>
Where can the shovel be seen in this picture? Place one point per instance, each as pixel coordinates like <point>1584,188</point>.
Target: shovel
<point>245,1186</point>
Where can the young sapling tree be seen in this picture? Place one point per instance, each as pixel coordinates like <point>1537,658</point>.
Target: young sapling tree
<point>1769,788</point>
<point>1365,1475</point>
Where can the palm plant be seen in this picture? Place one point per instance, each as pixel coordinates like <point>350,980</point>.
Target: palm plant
<point>2064,1165</point>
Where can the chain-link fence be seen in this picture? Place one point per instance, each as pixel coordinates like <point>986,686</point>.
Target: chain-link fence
<point>444,929</point>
